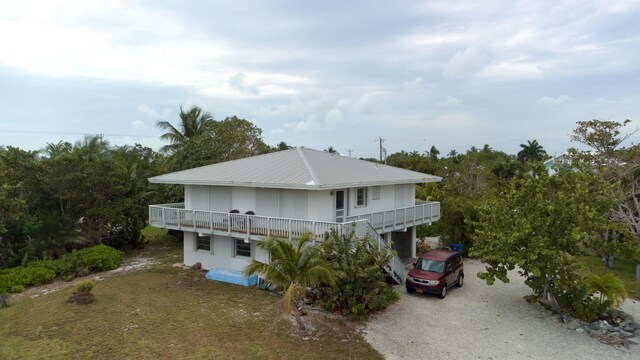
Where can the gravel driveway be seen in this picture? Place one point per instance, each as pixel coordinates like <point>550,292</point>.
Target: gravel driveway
<point>479,321</point>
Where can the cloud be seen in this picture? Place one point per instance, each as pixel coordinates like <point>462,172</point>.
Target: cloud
<point>138,125</point>
<point>464,63</point>
<point>237,82</point>
<point>512,70</point>
<point>367,101</point>
<point>548,100</point>
<point>450,102</point>
<point>415,84</point>
<point>305,126</point>
<point>148,110</point>
<point>334,117</point>
<point>459,120</point>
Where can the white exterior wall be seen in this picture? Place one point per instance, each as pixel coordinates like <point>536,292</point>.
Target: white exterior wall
<point>322,205</point>
<point>391,197</point>
<point>222,254</point>
<point>298,204</point>
<point>243,199</point>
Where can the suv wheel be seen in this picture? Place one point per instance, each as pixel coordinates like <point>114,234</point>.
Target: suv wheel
<point>460,280</point>
<point>443,292</point>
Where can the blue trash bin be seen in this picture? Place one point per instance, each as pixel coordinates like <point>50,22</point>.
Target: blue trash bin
<point>455,247</point>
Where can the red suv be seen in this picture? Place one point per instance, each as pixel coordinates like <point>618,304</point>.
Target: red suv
<point>435,271</point>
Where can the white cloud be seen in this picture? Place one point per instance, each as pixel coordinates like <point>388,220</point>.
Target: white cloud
<point>449,102</point>
<point>416,84</point>
<point>237,82</point>
<point>305,126</point>
<point>334,117</point>
<point>148,110</point>
<point>459,120</point>
<point>512,70</point>
<point>138,125</point>
<point>464,63</point>
<point>367,101</point>
<point>549,100</point>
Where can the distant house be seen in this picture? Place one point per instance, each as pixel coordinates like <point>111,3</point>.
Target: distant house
<point>553,163</point>
<point>229,207</point>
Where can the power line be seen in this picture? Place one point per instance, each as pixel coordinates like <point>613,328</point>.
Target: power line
<point>73,133</point>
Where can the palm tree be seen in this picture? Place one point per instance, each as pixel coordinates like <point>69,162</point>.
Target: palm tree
<point>294,267</point>
<point>532,151</point>
<point>53,150</point>
<point>192,123</point>
<point>608,286</point>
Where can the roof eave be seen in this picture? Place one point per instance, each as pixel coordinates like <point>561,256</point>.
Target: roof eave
<point>156,180</point>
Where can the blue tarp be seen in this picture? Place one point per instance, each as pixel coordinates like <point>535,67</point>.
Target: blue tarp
<point>232,277</point>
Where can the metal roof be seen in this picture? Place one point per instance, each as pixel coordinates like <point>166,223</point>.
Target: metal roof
<point>298,168</point>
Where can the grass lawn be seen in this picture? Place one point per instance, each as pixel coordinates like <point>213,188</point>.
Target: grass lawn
<point>624,269</point>
<point>163,312</point>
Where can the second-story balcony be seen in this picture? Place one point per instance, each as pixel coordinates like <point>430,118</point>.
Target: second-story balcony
<point>256,227</point>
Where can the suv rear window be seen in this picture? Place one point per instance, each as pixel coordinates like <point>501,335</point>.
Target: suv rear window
<point>430,265</point>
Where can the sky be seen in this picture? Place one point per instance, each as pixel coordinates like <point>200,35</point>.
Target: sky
<point>449,74</point>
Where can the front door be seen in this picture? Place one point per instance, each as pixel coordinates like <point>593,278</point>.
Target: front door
<point>340,206</point>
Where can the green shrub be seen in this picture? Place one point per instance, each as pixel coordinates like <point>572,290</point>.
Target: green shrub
<point>94,259</point>
<point>16,279</point>
<point>85,286</point>
<point>39,276</point>
<point>360,282</point>
<point>59,266</point>
<point>15,289</point>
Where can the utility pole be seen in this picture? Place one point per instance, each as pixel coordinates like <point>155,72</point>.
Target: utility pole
<point>381,141</point>
<point>349,152</point>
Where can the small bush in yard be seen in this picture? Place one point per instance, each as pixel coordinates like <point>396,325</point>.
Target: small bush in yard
<point>94,259</point>
<point>84,286</point>
<point>360,282</point>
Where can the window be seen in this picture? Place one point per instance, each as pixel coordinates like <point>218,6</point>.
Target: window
<point>203,243</point>
<point>375,193</point>
<point>361,196</point>
<point>243,248</point>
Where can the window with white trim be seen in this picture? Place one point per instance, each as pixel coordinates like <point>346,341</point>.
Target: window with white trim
<point>242,248</point>
<point>203,243</point>
<point>375,193</point>
<point>361,196</point>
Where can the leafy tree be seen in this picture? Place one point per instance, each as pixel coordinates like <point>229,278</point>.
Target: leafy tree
<point>192,124</point>
<point>433,153</point>
<point>531,151</point>
<point>331,150</point>
<point>615,164</point>
<point>293,267</point>
<point>360,281</point>
<point>538,225</point>
<point>283,146</point>
<point>230,139</point>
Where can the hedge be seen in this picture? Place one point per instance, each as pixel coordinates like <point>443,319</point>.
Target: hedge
<point>77,263</point>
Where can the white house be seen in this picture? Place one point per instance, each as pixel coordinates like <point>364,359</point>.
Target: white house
<point>229,207</point>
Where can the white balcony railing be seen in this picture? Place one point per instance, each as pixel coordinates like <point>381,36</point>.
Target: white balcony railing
<point>256,227</point>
